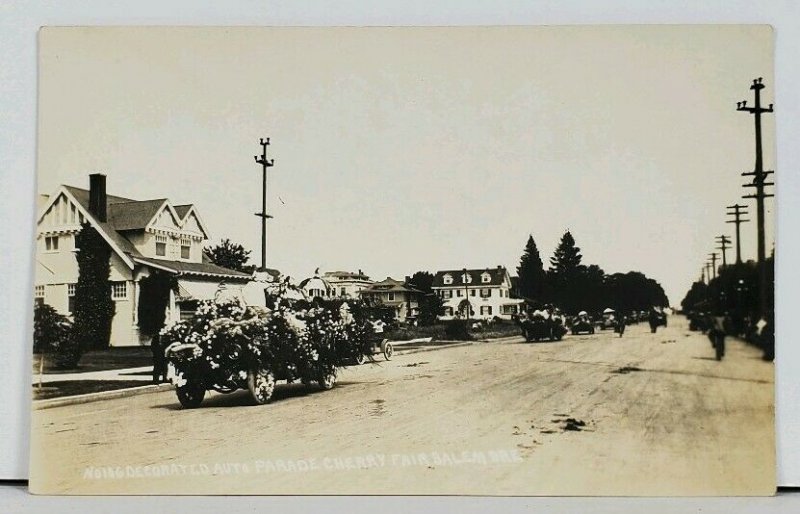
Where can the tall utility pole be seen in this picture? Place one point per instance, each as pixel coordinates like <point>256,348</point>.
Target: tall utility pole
<point>703,274</point>
<point>708,271</point>
<point>265,163</point>
<point>724,243</point>
<point>759,182</point>
<point>737,212</point>
<point>713,256</point>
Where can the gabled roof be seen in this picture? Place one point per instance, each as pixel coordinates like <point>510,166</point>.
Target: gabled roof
<point>389,285</point>
<point>496,277</point>
<point>125,214</point>
<point>182,210</point>
<point>134,215</point>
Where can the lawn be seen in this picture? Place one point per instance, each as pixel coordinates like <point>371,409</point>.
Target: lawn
<point>437,331</point>
<point>101,360</point>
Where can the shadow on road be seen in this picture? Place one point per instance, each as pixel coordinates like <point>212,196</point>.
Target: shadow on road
<point>241,397</point>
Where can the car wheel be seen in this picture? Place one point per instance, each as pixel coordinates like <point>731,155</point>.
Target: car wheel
<point>261,384</point>
<point>327,381</point>
<point>191,394</point>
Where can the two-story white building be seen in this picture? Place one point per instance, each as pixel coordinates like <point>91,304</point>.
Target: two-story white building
<point>347,284</point>
<point>143,235</point>
<point>486,292</point>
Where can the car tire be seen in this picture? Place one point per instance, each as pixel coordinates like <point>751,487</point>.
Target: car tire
<point>261,384</point>
<point>191,395</point>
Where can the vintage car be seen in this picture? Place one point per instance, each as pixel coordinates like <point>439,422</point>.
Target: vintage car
<point>582,324</point>
<point>228,345</point>
<point>539,327</point>
<point>608,320</point>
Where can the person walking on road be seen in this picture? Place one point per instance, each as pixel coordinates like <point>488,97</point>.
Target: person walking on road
<point>620,328</point>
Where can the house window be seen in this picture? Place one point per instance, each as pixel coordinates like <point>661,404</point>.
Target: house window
<point>342,292</point>
<point>486,293</point>
<point>472,292</point>
<point>447,294</point>
<point>508,309</point>
<point>390,297</point>
<point>448,279</point>
<point>51,243</point>
<point>467,278</point>
<point>486,278</point>
<point>486,310</point>
<point>448,311</point>
<point>186,247</point>
<point>71,297</point>
<point>38,295</point>
<point>458,293</point>
<point>161,246</point>
<point>119,290</point>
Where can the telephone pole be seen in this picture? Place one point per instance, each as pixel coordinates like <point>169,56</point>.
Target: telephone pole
<point>713,256</point>
<point>737,213</point>
<point>759,183</point>
<point>724,243</point>
<point>708,271</point>
<point>265,163</point>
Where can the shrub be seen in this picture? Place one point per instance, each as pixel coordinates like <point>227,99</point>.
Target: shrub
<point>52,333</point>
<point>457,329</point>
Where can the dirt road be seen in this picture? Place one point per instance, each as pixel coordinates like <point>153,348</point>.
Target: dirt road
<point>643,414</point>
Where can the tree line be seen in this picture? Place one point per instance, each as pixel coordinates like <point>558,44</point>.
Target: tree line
<point>574,286</point>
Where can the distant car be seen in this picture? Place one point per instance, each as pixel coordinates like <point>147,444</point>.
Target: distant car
<point>608,321</point>
<point>582,325</point>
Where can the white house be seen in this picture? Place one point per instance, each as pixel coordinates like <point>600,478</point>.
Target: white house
<point>487,293</point>
<point>347,284</point>
<point>143,235</point>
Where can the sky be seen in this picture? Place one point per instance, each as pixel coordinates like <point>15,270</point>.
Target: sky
<point>406,149</point>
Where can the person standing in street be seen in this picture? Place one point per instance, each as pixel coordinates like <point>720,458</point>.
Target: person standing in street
<point>620,328</point>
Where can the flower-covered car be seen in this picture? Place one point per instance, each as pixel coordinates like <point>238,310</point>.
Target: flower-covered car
<point>228,345</point>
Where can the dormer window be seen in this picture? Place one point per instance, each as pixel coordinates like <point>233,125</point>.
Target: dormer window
<point>51,243</point>
<point>161,246</point>
<point>486,278</point>
<point>448,279</point>
<point>466,278</point>
<point>186,248</point>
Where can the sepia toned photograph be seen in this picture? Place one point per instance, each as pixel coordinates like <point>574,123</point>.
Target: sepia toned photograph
<point>503,261</point>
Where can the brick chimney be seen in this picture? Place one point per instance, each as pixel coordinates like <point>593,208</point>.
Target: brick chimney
<point>97,196</point>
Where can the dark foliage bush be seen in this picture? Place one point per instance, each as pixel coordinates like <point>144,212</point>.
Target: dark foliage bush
<point>457,329</point>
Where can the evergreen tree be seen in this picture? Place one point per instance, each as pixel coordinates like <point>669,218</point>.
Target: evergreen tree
<point>565,275</point>
<point>567,257</point>
<point>430,305</point>
<point>230,255</point>
<point>94,307</point>
<point>531,272</point>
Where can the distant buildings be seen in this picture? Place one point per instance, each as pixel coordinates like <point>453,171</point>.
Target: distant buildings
<point>144,235</point>
<point>347,284</point>
<point>395,294</point>
<point>486,292</point>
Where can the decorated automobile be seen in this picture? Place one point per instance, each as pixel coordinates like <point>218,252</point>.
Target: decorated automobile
<point>541,325</point>
<point>228,345</point>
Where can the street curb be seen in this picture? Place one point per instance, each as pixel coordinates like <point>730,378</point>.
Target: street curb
<point>103,395</point>
<point>157,388</point>
<point>434,348</point>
